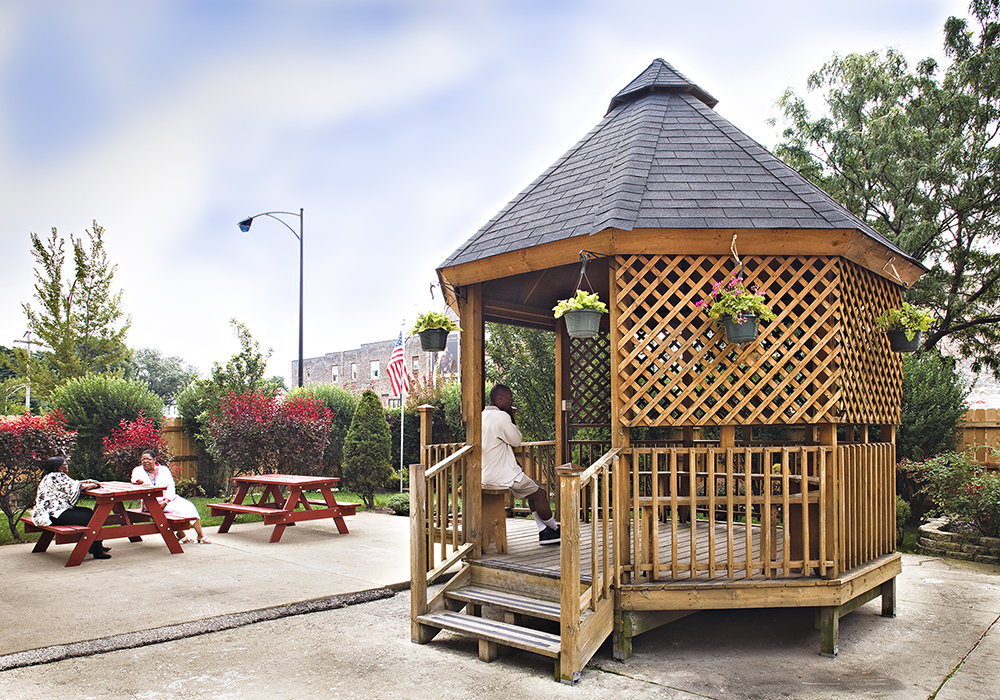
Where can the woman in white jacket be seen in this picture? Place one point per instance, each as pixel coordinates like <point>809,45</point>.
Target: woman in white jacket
<point>149,472</point>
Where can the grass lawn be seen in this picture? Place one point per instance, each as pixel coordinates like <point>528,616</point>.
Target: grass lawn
<point>206,520</point>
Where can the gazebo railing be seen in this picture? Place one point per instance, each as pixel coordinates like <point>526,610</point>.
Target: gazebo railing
<point>586,611</point>
<point>438,526</point>
<point>868,488</point>
<point>713,512</point>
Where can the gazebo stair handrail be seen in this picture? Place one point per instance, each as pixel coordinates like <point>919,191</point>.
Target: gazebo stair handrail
<point>448,461</point>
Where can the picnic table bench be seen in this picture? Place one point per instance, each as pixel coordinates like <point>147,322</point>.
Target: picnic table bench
<point>111,520</point>
<point>281,511</point>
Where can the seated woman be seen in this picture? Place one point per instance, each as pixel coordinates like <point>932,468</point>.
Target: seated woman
<point>149,472</point>
<point>55,502</point>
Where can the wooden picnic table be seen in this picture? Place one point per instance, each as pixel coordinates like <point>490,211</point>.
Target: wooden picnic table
<point>280,510</point>
<point>111,520</point>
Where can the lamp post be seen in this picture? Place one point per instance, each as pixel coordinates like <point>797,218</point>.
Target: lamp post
<point>245,227</point>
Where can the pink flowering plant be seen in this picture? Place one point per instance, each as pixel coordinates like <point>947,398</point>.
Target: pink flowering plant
<point>123,448</point>
<point>258,434</point>
<point>735,300</point>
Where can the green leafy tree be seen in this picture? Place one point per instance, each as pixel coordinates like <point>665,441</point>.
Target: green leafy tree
<point>914,153</point>
<point>79,319</point>
<point>367,449</point>
<point>525,360</point>
<point>94,406</point>
<point>165,376</point>
<point>244,372</point>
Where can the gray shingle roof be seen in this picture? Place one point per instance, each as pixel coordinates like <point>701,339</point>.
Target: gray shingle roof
<point>660,158</point>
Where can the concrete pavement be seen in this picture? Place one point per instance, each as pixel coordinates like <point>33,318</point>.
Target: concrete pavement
<point>944,643</point>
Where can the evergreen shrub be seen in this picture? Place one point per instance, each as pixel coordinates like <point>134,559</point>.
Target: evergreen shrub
<point>399,503</point>
<point>367,450</point>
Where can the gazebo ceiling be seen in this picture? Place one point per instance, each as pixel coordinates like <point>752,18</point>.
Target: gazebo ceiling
<point>663,173</point>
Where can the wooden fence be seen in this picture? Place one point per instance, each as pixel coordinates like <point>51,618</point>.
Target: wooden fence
<point>185,461</point>
<point>982,431</point>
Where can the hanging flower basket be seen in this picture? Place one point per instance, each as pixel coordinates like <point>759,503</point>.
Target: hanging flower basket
<point>582,323</point>
<point>433,328</point>
<point>582,314</point>
<point>433,339</point>
<point>904,327</point>
<point>898,342</point>
<point>740,331</point>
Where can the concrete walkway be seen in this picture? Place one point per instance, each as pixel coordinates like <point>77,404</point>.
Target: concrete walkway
<point>944,643</point>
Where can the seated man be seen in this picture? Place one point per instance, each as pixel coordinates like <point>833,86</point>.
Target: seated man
<point>501,470</point>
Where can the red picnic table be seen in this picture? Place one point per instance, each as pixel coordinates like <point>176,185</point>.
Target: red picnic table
<point>111,519</point>
<point>279,510</point>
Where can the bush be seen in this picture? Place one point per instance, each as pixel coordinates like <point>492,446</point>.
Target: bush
<point>196,404</point>
<point>932,408</point>
<point>342,404</point>
<point>367,450</point>
<point>123,448</point>
<point>399,503</point>
<point>960,488</point>
<point>25,443</point>
<point>902,515</point>
<point>256,434</point>
<point>94,405</point>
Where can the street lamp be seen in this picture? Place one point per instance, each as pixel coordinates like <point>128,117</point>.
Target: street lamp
<point>245,227</point>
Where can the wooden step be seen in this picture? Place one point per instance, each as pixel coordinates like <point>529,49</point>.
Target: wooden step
<point>511,602</point>
<point>495,631</point>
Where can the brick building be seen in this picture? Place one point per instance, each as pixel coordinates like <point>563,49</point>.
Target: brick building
<point>364,367</point>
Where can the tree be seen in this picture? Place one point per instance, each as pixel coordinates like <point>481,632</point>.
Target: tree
<point>80,322</point>
<point>197,403</point>
<point>245,370</point>
<point>915,154</point>
<point>525,360</point>
<point>367,449</point>
<point>25,443</point>
<point>932,407</point>
<point>165,376</point>
<point>94,406</point>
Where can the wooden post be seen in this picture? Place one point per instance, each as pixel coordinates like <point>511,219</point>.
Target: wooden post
<point>621,508</point>
<point>473,363</point>
<point>563,399</point>
<point>426,431</point>
<point>827,436</point>
<point>418,555</point>
<point>569,599</point>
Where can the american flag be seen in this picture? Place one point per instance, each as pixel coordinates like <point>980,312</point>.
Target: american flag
<point>397,369</point>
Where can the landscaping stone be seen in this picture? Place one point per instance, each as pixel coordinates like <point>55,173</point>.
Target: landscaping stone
<point>934,540</point>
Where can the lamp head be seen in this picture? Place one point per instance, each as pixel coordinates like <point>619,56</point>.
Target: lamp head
<point>245,224</point>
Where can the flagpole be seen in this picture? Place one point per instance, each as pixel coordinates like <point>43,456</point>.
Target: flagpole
<point>402,426</point>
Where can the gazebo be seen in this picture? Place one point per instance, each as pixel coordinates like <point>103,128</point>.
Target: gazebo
<point>689,473</point>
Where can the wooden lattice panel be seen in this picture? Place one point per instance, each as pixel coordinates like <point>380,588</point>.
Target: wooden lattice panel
<point>590,381</point>
<point>677,369</point>
<point>872,374</point>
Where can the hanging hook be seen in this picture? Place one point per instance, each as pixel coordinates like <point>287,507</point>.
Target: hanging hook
<point>894,273</point>
<point>736,255</point>
<point>585,255</point>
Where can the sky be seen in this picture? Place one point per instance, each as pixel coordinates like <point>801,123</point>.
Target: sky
<point>400,127</point>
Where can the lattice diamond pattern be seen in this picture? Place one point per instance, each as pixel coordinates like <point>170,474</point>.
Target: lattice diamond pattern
<point>873,375</point>
<point>814,363</point>
<point>590,380</point>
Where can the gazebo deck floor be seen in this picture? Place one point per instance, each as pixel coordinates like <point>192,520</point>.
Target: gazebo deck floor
<point>525,554</point>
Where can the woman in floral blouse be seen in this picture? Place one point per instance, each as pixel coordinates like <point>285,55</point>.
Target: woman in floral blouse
<point>55,502</point>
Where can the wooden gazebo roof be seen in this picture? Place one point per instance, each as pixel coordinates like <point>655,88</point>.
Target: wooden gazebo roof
<point>663,172</point>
